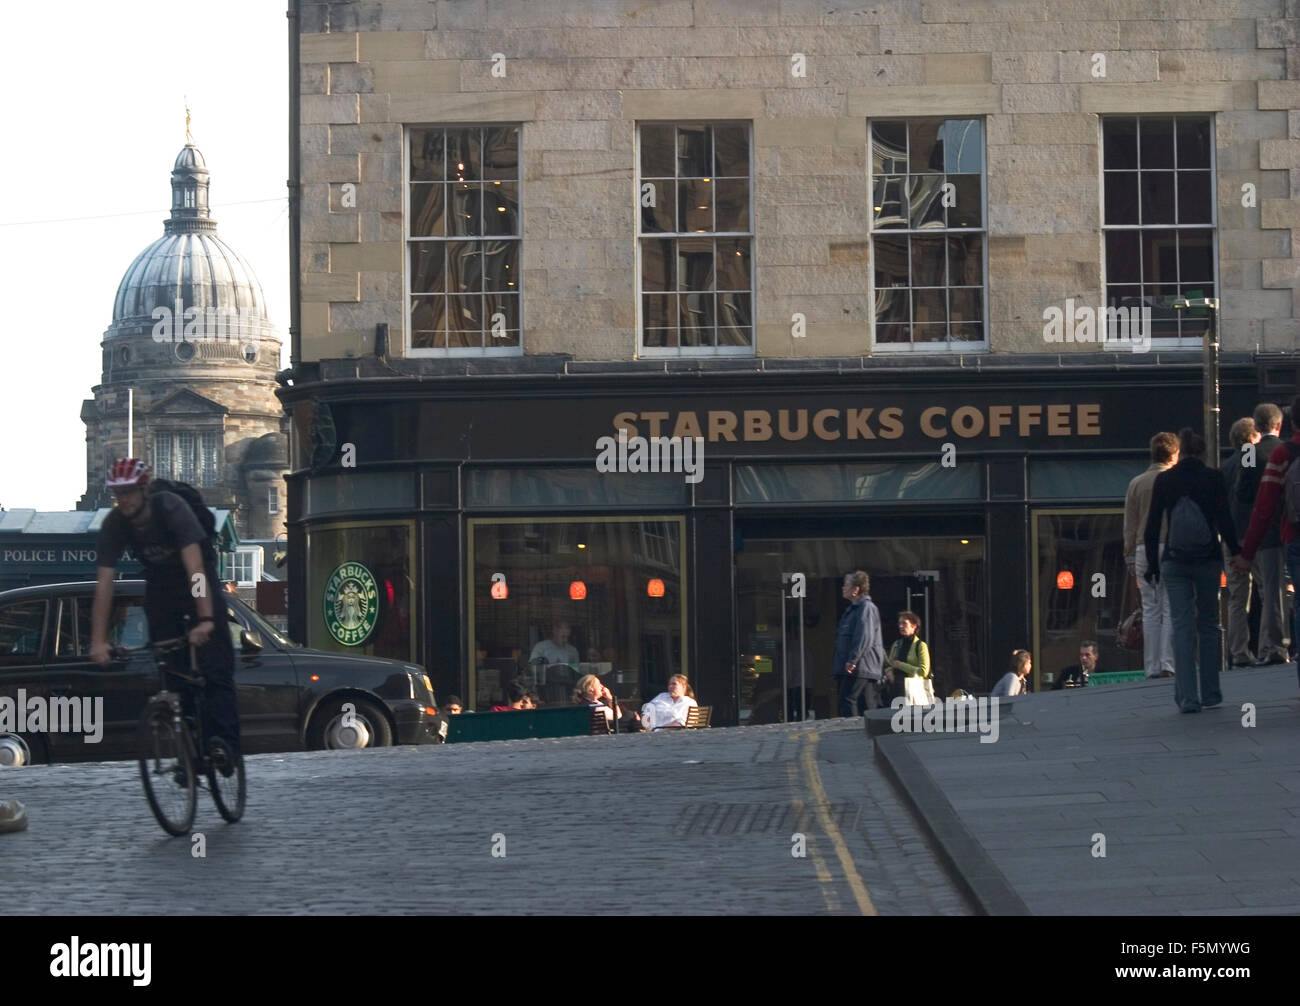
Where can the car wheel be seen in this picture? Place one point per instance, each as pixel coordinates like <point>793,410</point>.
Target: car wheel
<point>14,751</point>
<point>334,729</point>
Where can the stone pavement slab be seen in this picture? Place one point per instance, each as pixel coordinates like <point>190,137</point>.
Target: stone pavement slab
<point>1199,812</point>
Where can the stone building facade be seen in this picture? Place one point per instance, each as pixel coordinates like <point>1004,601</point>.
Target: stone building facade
<point>190,336</point>
<point>909,270</point>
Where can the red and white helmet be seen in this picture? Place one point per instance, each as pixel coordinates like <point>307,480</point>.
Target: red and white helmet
<point>127,472</point>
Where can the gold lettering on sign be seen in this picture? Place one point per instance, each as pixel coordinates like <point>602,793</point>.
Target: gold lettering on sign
<point>968,422</point>
<point>783,424</point>
<point>1088,420</point>
<point>1030,415</point>
<point>857,426</point>
<point>927,422</point>
<point>1058,420</point>
<point>819,424</point>
<point>687,425</point>
<point>758,425</point>
<point>655,419</point>
<point>625,421</point>
<point>891,422</point>
<point>999,416</point>
<point>722,426</point>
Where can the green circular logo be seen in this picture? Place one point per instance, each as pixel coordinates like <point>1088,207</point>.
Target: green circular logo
<point>351,603</point>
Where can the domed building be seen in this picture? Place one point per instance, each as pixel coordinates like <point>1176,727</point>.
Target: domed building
<point>191,338</point>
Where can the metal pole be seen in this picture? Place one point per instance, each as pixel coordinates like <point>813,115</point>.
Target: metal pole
<point>803,686</point>
<point>785,659</point>
<point>1211,388</point>
<point>130,422</point>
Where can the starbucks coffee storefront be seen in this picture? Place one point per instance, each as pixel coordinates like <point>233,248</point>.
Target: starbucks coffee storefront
<point>462,522</point>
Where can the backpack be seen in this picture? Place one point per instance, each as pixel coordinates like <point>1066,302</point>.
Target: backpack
<point>1291,487</point>
<point>1190,536</point>
<point>200,509</point>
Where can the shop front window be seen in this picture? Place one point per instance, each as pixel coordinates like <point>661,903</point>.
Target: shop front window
<point>783,637</point>
<point>362,578</point>
<point>1080,591</point>
<point>556,599</point>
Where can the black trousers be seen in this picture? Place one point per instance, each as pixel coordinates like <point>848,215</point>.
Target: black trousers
<point>858,694</point>
<point>216,661</point>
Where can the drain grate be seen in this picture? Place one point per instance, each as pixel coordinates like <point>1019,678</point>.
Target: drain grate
<point>750,818</point>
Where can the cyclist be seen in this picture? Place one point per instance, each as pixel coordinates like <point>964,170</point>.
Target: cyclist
<point>181,583</point>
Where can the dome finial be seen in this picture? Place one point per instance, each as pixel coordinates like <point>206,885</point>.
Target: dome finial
<point>188,137</point>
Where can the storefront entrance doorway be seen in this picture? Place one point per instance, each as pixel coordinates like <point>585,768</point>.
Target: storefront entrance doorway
<point>782,635</point>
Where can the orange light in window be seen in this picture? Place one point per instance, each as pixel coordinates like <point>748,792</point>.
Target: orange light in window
<point>1065,580</point>
<point>655,588</point>
<point>500,591</point>
<point>1223,579</point>
<point>578,590</point>
<point>315,677</point>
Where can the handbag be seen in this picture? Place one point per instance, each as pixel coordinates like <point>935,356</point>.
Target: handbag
<point>1130,630</point>
<point>918,691</point>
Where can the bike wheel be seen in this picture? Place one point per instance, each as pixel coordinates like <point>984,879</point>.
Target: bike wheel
<point>167,770</point>
<point>228,791</point>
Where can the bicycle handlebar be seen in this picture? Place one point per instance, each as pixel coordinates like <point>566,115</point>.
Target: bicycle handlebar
<point>153,649</point>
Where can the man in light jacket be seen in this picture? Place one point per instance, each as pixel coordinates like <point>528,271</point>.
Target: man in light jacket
<point>1157,623</point>
<point>859,661</point>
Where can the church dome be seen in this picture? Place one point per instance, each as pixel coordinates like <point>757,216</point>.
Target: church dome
<point>189,266</point>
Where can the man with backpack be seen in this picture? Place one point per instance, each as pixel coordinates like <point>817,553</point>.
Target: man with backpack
<point>1279,499</point>
<point>1195,498</point>
<point>1267,561</point>
<point>169,531</point>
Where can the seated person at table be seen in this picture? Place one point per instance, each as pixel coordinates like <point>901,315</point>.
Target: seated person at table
<point>557,649</point>
<point>668,709</point>
<point>591,692</point>
<point>1077,676</point>
<point>516,697</point>
<point>532,701</point>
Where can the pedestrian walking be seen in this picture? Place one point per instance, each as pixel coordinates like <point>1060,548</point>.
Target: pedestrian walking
<point>1157,627</point>
<point>1242,434</point>
<point>859,662</point>
<point>1195,500</point>
<point>1268,560</point>
<point>1279,497</point>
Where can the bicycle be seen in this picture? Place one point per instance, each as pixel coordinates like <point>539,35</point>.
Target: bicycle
<point>173,752</point>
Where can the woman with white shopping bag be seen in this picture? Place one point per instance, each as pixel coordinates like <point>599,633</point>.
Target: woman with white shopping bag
<point>910,657</point>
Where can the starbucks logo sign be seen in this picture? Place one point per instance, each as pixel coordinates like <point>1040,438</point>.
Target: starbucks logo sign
<point>351,603</point>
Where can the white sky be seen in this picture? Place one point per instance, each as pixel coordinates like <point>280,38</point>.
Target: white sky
<point>96,117</point>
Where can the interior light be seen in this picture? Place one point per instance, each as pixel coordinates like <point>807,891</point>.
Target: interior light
<point>501,209</point>
<point>1065,580</point>
<point>577,591</point>
<point>655,588</point>
<point>965,541</point>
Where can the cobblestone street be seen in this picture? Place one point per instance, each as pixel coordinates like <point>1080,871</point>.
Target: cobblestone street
<point>590,825</point>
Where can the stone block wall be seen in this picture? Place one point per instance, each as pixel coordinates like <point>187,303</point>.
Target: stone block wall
<point>579,75</point>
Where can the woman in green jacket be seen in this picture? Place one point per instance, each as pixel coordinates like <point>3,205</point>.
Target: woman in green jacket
<point>908,657</point>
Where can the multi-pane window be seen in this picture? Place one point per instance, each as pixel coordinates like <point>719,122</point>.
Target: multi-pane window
<point>187,456</point>
<point>463,239</point>
<point>272,500</point>
<point>163,455</point>
<point>696,236</point>
<point>1158,217</point>
<point>246,565</point>
<point>928,233</point>
<point>208,444</point>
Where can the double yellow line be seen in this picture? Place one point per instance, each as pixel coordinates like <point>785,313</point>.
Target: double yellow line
<point>812,780</point>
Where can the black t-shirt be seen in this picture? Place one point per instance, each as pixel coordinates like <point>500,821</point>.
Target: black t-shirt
<point>172,526</point>
<point>1070,675</point>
